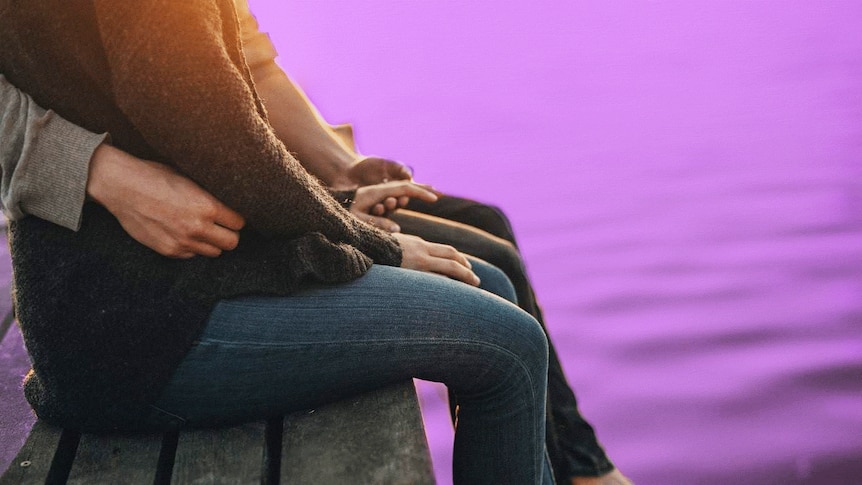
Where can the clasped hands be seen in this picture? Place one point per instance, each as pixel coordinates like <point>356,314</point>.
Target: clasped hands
<point>175,217</point>
<point>386,185</point>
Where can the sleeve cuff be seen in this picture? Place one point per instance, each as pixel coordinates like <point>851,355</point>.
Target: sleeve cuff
<point>58,171</point>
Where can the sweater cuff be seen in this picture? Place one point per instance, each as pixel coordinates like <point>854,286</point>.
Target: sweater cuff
<point>344,197</point>
<point>57,183</point>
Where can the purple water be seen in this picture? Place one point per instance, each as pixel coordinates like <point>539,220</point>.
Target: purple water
<point>684,179</point>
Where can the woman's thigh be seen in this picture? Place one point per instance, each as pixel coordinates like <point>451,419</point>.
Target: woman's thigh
<point>261,356</point>
<point>470,240</point>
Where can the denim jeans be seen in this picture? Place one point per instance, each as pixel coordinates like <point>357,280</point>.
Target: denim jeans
<point>265,356</point>
<point>485,232</point>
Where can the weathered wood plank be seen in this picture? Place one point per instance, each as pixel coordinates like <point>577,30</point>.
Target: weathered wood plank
<point>33,462</point>
<point>16,418</point>
<point>118,458</point>
<point>377,437</point>
<point>221,456</point>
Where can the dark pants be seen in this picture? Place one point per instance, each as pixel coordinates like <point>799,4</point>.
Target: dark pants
<point>485,232</point>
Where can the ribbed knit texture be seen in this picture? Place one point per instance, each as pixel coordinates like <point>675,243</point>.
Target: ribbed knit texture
<point>106,320</point>
<point>29,137</point>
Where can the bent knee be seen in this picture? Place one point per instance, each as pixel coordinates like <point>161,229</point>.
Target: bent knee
<point>520,337</point>
<point>491,219</point>
<point>516,356</point>
<point>506,258</point>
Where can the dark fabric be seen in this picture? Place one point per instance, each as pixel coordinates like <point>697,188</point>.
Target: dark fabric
<point>485,232</point>
<point>105,319</point>
<point>343,197</point>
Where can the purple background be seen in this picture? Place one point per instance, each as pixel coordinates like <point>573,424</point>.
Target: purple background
<point>684,179</point>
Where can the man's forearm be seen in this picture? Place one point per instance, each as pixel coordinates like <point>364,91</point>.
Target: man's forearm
<point>300,127</point>
<point>296,122</point>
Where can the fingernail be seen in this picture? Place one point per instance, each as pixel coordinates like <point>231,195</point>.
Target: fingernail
<point>395,228</point>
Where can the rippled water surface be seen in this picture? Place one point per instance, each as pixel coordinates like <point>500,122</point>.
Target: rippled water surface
<point>684,180</point>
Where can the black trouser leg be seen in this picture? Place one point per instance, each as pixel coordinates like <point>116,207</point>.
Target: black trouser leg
<point>484,231</point>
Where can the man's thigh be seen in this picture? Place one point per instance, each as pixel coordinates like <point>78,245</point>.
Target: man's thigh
<point>470,212</point>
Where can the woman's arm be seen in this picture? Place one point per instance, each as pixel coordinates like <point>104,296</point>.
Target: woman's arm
<point>179,76</point>
<point>50,165</point>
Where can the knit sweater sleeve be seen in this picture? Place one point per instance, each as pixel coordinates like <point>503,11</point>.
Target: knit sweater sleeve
<point>178,74</point>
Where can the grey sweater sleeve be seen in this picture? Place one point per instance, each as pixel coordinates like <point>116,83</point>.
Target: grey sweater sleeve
<point>44,160</point>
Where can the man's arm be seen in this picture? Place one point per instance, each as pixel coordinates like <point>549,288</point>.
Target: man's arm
<point>49,166</point>
<point>300,126</point>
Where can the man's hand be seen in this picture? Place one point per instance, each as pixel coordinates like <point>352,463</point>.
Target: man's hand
<point>421,255</point>
<point>374,170</point>
<point>372,203</point>
<point>160,208</point>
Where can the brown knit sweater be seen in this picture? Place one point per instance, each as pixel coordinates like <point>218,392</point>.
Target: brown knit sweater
<point>105,320</point>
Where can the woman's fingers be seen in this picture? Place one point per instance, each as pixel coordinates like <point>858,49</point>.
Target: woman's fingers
<point>450,262</point>
<point>444,251</point>
<point>454,270</point>
<point>445,260</point>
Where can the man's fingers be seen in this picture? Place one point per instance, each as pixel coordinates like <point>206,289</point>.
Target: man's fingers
<point>204,249</point>
<point>403,189</point>
<point>227,217</point>
<point>402,172</point>
<point>419,191</point>
<point>390,204</point>
<point>220,237</point>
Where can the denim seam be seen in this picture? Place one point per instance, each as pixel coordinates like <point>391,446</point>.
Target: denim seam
<point>176,416</point>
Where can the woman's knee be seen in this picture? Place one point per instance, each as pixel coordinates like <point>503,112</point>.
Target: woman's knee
<point>513,349</point>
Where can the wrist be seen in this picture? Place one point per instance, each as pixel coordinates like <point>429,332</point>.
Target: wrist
<point>108,174</point>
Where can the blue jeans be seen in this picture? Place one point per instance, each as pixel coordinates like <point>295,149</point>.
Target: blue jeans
<point>266,356</point>
<point>485,232</point>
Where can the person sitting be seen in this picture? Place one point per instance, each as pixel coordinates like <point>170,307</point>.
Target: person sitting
<point>157,214</point>
<point>121,337</point>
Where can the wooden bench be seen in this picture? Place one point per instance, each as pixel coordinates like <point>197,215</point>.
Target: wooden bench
<point>377,437</point>
<point>373,438</point>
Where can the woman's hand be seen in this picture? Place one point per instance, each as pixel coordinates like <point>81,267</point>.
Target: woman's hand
<point>160,208</point>
<point>421,255</point>
<point>371,203</point>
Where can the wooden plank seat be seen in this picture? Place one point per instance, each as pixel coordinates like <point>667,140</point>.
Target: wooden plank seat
<point>377,437</point>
